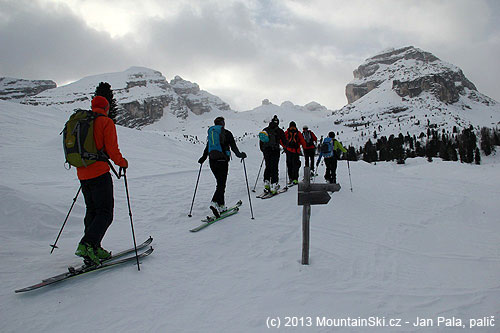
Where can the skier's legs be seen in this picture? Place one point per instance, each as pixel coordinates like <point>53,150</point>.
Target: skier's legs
<point>306,157</point>
<point>295,166</point>
<point>329,168</point>
<point>274,161</point>
<point>220,170</point>
<point>98,194</point>
<point>334,170</point>
<point>268,166</point>
<point>309,155</point>
<point>289,165</point>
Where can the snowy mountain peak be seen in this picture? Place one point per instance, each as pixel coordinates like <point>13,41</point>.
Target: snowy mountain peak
<point>408,67</point>
<point>411,89</point>
<point>143,96</point>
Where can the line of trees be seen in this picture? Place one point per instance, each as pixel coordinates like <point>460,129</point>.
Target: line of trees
<point>453,146</point>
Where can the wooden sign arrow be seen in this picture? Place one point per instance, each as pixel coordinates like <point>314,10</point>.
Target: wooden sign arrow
<point>318,187</point>
<point>313,198</point>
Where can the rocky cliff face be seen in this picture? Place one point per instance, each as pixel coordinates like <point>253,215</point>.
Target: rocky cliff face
<point>409,90</point>
<point>411,71</point>
<point>143,96</point>
<point>17,89</point>
<point>198,101</point>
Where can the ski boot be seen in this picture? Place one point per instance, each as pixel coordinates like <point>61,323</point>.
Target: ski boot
<point>274,188</point>
<point>217,209</point>
<point>87,252</point>
<point>102,254</point>
<point>267,186</point>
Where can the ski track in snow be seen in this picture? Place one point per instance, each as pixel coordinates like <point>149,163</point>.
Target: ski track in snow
<point>420,239</point>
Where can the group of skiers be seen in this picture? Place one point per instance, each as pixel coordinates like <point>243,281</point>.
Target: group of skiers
<point>220,141</point>
<point>97,185</point>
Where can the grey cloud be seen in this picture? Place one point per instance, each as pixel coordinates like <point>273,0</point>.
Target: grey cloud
<point>52,43</point>
<point>270,51</point>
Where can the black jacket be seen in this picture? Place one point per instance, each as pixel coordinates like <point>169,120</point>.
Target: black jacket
<point>227,143</point>
<point>279,138</point>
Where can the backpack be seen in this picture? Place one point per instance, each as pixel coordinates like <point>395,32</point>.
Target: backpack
<point>263,136</point>
<point>269,139</point>
<point>216,141</point>
<point>308,138</point>
<point>327,148</point>
<point>78,139</point>
<point>292,138</point>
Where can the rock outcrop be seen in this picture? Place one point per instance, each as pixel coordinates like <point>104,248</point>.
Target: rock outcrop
<point>17,89</point>
<point>412,71</point>
<point>143,96</point>
<point>410,90</point>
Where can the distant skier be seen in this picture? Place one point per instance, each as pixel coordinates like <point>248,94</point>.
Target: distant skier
<point>330,150</point>
<point>219,141</point>
<point>310,148</point>
<point>271,138</point>
<point>294,140</point>
<point>97,185</point>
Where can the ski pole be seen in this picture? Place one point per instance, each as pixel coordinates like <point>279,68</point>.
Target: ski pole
<point>286,175</point>
<point>349,168</point>
<point>195,189</point>
<point>130,214</point>
<point>54,246</point>
<point>256,180</point>
<point>248,189</point>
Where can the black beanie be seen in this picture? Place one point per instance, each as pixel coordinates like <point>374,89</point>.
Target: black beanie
<point>219,121</point>
<point>292,124</point>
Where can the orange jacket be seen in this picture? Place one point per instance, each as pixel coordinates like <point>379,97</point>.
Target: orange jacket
<point>105,137</point>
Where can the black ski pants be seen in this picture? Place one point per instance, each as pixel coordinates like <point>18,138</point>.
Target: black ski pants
<point>293,165</point>
<point>220,169</point>
<point>98,194</point>
<point>309,155</point>
<point>331,169</point>
<point>272,159</point>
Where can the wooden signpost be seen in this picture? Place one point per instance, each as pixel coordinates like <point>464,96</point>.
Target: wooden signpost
<point>311,194</point>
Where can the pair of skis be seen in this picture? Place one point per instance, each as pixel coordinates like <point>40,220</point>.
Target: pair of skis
<point>115,259</point>
<point>267,195</point>
<point>209,220</point>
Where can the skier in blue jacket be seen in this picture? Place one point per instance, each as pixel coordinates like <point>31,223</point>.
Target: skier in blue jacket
<point>330,150</point>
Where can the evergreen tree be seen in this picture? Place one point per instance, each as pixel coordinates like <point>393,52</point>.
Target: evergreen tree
<point>104,90</point>
<point>486,141</point>
<point>370,153</point>
<point>496,137</point>
<point>452,152</point>
<point>351,154</point>
<point>477,157</point>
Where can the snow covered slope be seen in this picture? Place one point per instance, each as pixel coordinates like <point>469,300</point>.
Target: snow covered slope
<point>419,240</point>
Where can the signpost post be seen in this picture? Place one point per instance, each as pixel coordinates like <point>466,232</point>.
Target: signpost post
<point>311,194</point>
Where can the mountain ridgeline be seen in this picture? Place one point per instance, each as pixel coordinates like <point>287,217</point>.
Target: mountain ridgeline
<point>143,96</point>
<point>399,93</point>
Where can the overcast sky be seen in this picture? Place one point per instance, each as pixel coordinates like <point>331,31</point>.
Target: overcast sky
<point>246,50</point>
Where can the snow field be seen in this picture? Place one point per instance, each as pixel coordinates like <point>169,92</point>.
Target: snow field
<point>420,239</point>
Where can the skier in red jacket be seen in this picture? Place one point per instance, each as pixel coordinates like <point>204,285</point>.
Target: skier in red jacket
<point>294,140</point>
<point>97,186</point>
<point>310,148</point>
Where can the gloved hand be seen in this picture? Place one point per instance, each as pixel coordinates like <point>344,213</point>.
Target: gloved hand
<point>202,159</point>
<point>242,155</point>
<point>125,164</point>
